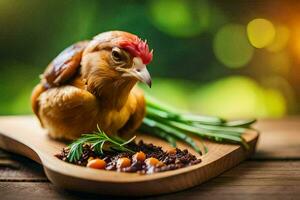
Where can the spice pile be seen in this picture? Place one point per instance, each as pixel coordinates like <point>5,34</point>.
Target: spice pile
<point>147,159</point>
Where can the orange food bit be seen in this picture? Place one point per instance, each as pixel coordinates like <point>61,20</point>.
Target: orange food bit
<point>172,151</point>
<point>96,164</point>
<point>153,162</point>
<point>140,156</point>
<point>123,162</point>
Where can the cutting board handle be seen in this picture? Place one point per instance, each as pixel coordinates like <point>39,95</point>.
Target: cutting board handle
<point>11,145</point>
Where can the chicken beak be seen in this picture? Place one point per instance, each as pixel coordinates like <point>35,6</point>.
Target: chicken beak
<point>140,72</point>
<point>143,75</point>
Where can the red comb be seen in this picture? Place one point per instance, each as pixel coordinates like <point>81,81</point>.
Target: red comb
<point>138,47</point>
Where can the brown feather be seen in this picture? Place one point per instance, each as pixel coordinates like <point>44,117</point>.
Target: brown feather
<point>65,65</point>
<point>37,91</point>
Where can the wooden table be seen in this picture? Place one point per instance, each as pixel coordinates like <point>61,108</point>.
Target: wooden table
<point>272,173</point>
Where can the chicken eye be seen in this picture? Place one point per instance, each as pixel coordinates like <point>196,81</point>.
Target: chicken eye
<point>116,54</point>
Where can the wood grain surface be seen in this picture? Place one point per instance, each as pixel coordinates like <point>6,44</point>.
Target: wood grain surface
<point>280,139</point>
<point>272,173</point>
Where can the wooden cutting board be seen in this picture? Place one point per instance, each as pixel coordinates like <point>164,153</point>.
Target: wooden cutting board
<point>23,135</point>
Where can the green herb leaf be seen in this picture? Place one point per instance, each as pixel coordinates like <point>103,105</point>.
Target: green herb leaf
<point>97,141</point>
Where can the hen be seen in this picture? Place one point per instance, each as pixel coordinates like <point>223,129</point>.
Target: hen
<point>93,83</point>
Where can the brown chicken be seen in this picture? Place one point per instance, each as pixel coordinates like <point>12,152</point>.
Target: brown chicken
<point>93,83</point>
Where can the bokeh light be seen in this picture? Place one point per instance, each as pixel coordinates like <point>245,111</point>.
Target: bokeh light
<point>282,85</point>
<point>279,63</point>
<point>281,39</point>
<point>170,91</point>
<point>275,103</point>
<point>240,97</point>
<point>22,85</point>
<point>179,17</point>
<point>236,96</point>
<point>270,64</point>
<point>261,32</point>
<point>296,41</point>
<point>231,46</point>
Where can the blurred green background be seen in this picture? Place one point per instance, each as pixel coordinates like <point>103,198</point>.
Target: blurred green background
<point>226,58</point>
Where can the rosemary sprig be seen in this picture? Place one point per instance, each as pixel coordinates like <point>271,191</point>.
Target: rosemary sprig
<point>97,141</point>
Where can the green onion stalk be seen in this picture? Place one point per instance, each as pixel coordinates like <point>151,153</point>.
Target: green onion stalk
<point>171,125</point>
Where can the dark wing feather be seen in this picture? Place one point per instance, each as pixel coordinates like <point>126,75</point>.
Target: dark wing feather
<point>64,66</point>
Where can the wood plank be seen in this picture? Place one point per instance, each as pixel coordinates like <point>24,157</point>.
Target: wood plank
<point>26,170</point>
<point>4,154</point>
<point>287,170</point>
<point>33,190</point>
<point>249,180</point>
<point>227,186</point>
<point>25,190</point>
<point>279,138</point>
<point>8,160</point>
